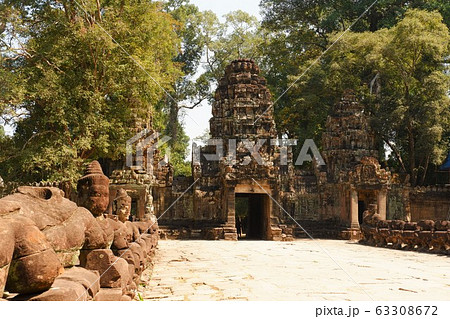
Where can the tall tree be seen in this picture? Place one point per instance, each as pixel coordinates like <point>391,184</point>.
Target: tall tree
<point>80,93</point>
<point>239,37</point>
<point>299,31</point>
<point>399,75</point>
<point>414,107</point>
<point>187,92</point>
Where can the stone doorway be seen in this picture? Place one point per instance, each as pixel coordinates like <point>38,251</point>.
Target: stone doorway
<point>252,216</point>
<point>365,198</point>
<point>361,209</point>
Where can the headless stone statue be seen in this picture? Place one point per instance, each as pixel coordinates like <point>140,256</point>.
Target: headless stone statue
<point>370,216</point>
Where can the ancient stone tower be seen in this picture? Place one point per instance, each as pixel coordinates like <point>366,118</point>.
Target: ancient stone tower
<point>355,179</point>
<point>243,121</point>
<point>243,106</point>
<point>348,137</point>
<point>239,164</point>
<point>243,116</point>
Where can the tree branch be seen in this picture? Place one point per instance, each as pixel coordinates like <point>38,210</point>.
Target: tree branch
<point>396,152</point>
<point>194,105</point>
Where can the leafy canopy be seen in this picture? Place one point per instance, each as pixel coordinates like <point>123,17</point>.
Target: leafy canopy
<point>70,90</point>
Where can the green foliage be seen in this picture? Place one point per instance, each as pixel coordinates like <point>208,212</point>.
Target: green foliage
<point>77,93</point>
<point>239,37</point>
<point>398,73</point>
<point>413,109</point>
<point>186,88</point>
<point>203,36</point>
<point>298,31</point>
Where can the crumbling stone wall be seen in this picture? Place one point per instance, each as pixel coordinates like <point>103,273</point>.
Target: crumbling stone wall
<point>432,202</point>
<point>398,203</point>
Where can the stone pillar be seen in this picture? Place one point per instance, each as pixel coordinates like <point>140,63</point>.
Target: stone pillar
<point>354,223</point>
<point>230,232</point>
<point>141,207</point>
<point>381,201</point>
<point>230,207</point>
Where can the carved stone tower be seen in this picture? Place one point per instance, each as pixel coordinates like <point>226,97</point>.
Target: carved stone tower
<point>355,179</point>
<point>243,106</point>
<point>348,138</point>
<point>243,122</point>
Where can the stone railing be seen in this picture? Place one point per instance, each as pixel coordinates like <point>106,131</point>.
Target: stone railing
<point>53,250</point>
<point>425,235</point>
<point>9,188</point>
<point>433,188</point>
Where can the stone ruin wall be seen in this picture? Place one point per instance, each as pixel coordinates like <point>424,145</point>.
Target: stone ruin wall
<point>417,219</point>
<point>194,214</point>
<point>398,204</point>
<point>432,202</point>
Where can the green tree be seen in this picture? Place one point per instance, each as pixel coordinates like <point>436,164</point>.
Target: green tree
<point>80,93</point>
<point>239,37</point>
<point>187,92</point>
<point>298,31</point>
<point>399,75</point>
<point>414,91</point>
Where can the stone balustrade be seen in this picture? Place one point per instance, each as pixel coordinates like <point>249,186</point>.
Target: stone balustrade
<point>425,235</point>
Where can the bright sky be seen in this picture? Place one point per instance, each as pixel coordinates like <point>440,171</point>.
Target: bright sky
<point>221,7</point>
<point>196,121</point>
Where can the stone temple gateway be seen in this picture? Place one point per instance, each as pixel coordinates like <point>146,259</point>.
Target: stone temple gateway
<point>58,244</point>
<point>253,188</point>
<point>328,200</point>
<point>242,116</point>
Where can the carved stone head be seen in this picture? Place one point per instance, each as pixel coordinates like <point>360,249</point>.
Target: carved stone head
<point>93,190</point>
<point>123,202</point>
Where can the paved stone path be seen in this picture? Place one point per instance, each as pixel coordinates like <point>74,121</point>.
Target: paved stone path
<point>299,270</point>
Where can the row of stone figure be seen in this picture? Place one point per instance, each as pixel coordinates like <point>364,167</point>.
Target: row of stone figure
<point>53,249</point>
<point>424,235</point>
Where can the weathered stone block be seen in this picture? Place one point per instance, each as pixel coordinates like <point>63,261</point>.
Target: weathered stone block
<point>34,273</point>
<point>89,279</point>
<point>109,294</point>
<point>64,290</point>
<point>113,271</point>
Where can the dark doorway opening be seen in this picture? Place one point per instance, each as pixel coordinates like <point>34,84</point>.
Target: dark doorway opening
<point>251,216</point>
<point>361,209</point>
<point>365,198</point>
<point>134,208</point>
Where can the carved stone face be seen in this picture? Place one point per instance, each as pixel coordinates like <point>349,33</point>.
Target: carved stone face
<point>93,190</point>
<point>123,202</point>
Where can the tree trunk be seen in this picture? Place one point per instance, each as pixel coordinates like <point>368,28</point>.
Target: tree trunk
<point>425,170</point>
<point>99,13</point>
<point>173,122</point>
<point>396,153</point>
<point>412,155</point>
